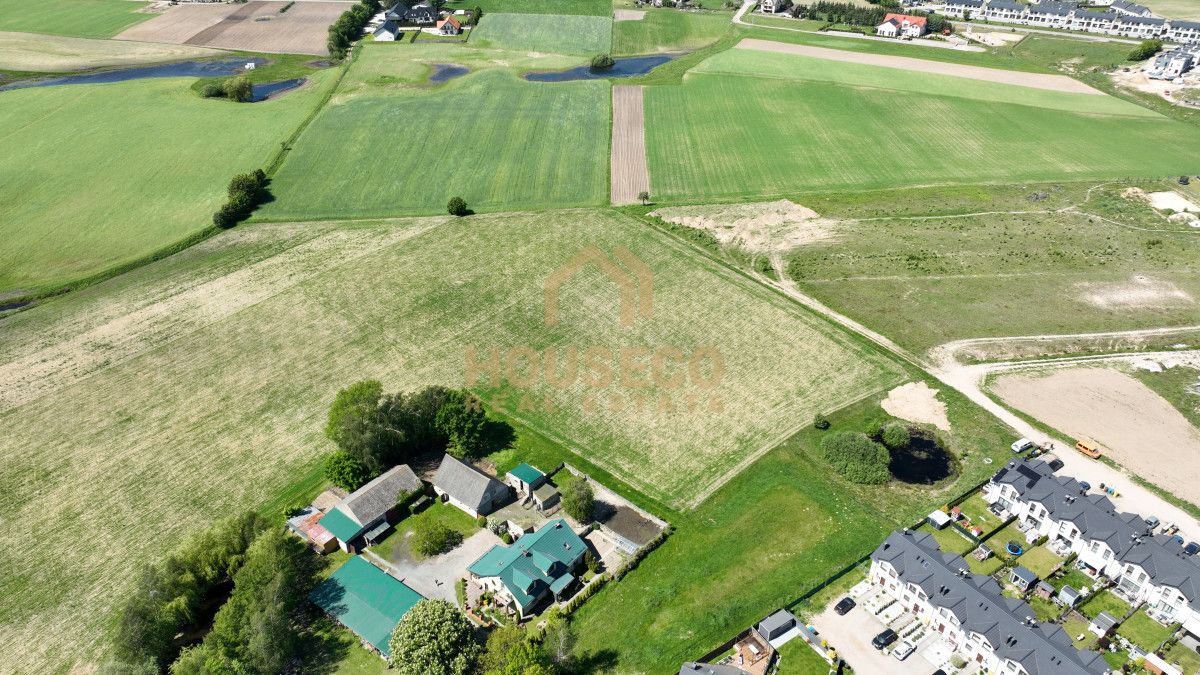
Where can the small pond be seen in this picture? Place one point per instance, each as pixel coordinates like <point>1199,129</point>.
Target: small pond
<point>261,92</point>
<point>624,67</point>
<point>211,68</point>
<point>923,462</point>
<point>447,71</point>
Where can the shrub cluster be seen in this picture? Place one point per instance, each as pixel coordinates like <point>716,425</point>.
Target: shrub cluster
<point>602,62</point>
<point>349,27</point>
<point>237,89</point>
<point>1145,50</point>
<point>857,457</point>
<point>245,193</point>
<point>431,537</point>
<point>632,563</point>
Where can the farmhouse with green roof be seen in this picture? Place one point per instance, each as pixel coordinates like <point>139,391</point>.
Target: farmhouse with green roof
<point>367,600</point>
<point>537,566</point>
<point>364,513</point>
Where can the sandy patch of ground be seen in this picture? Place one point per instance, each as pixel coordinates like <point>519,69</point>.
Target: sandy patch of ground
<point>253,26</point>
<point>1173,201</point>
<point>759,227</point>
<point>1134,78</point>
<point>1140,292</point>
<point>53,54</point>
<point>1032,80</point>
<point>996,38</point>
<point>628,15</point>
<point>629,174</point>
<point>917,402</point>
<point>1139,429</point>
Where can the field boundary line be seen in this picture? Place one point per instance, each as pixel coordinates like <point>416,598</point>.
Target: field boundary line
<point>286,145</point>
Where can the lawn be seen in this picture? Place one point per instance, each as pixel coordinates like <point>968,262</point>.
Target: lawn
<point>975,510</point>
<point>490,137</point>
<point>798,658</point>
<point>94,176</point>
<point>450,516</point>
<point>1180,386</point>
<point>1075,627</point>
<point>1143,631</point>
<point>202,382</point>
<point>950,540</point>
<point>914,267</point>
<point>79,18</point>
<point>1104,601</point>
<point>665,30</point>
<point>1012,533</point>
<point>1046,610</point>
<point>564,34</point>
<point>1188,659</point>
<point>1074,578</point>
<point>719,136</point>
<point>987,567</point>
<point>1040,560</point>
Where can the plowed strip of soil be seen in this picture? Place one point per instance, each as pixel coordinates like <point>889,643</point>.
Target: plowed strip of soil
<point>1032,80</point>
<point>629,173</point>
<point>213,32</point>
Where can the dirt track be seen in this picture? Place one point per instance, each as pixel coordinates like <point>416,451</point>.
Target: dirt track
<point>1032,80</point>
<point>255,26</point>
<point>629,173</point>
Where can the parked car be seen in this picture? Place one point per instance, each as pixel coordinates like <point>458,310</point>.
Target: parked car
<point>1022,445</point>
<point>1192,548</point>
<point>887,637</point>
<point>1085,485</point>
<point>1152,522</point>
<point>844,605</point>
<point>905,649</point>
<point>1053,460</point>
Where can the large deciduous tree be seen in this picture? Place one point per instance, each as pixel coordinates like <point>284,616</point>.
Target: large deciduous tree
<point>434,638</point>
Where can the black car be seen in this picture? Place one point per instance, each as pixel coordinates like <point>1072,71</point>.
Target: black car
<point>887,637</point>
<point>844,606</point>
<point>1192,548</point>
<point>939,671</point>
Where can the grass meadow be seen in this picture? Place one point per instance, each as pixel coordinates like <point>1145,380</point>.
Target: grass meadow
<point>729,137</point>
<point>667,30</point>
<point>31,52</point>
<point>569,7</point>
<point>490,137</point>
<point>917,269</point>
<point>94,176</point>
<point>78,18</point>
<point>199,384</point>
<point>564,34</point>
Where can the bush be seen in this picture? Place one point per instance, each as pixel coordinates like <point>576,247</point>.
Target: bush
<point>506,537</point>
<point>212,90</point>
<point>245,192</point>
<point>481,521</point>
<point>457,206</point>
<point>578,500</point>
<point>238,89</point>
<point>602,62</point>
<point>431,537</point>
<point>1145,50</point>
<point>821,422</point>
<point>857,457</point>
<point>896,436</point>
<point>346,471</point>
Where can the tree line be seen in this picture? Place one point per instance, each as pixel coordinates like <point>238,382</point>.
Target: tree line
<point>246,191</point>
<point>349,27</point>
<point>857,15</point>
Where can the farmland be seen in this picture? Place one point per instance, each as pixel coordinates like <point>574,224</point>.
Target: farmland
<point>186,354</point>
<point>724,136</point>
<point>79,18</point>
<point>1037,259</point>
<point>565,34</point>
<point>495,140</point>
<point>254,26</point>
<point>668,30</point>
<point>73,202</point>
<point>572,7</point>
<point>48,54</point>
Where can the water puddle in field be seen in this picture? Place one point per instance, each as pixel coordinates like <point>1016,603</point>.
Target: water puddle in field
<point>266,90</point>
<point>629,66</point>
<point>447,71</point>
<point>924,462</point>
<point>210,68</point>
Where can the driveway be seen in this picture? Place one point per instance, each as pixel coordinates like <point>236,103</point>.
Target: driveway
<point>434,577</point>
<point>851,636</point>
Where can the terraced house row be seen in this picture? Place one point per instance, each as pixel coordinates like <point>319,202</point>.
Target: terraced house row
<point>1149,568</point>
<point>1124,19</point>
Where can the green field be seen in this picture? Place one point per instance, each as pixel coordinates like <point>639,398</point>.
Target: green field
<point>666,30</point>
<point>583,7</point>
<point>912,266</point>
<point>93,176</point>
<point>79,18</point>
<point>498,141</point>
<point>1180,386</point>
<point>564,34</point>
<point>1175,9</point>
<point>726,137</point>
<point>199,383</point>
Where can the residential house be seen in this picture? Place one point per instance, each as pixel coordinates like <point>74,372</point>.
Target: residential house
<point>536,567</point>
<point>366,600</point>
<point>421,14</point>
<point>1184,32</point>
<point>771,6</point>
<point>469,489</point>
<point>1094,22</point>
<point>971,613</point>
<point>963,9</point>
<point>1157,571</point>
<point>1009,11</point>
<point>901,25</point>
<point>1050,14</point>
<point>387,31</point>
<point>362,517</point>
<point>1172,64</point>
<point>449,26</point>
<point>1140,27</point>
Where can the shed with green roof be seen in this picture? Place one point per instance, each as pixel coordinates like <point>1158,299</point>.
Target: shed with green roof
<point>367,600</point>
<point>538,565</point>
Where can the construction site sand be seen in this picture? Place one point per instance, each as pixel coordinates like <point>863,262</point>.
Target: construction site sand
<point>1033,80</point>
<point>758,227</point>
<point>996,39</point>
<point>628,15</point>
<point>1140,292</point>
<point>916,402</point>
<point>1171,200</point>
<point>1138,428</point>
<point>629,173</point>
<point>55,54</point>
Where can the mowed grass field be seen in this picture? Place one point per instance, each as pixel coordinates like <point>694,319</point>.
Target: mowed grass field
<point>564,34</point>
<point>731,136</point>
<point>498,141</point>
<point>80,18</point>
<point>582,7</point>
<point>1037,259</point>
<point>93,176</point>
<point>666,30</point>
<point>137,410</point>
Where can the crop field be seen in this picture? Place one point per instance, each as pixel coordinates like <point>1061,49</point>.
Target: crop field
<point>384,66</point>
<point>490,137</point>
<point>30,52</point>
<point>80,18</point>
<point>572,7</point>
<point>251,26</point>
<point>665,30</point>
<point>1037,259</point>
<point>564,34</point>
<point>200,383</point>
<point>723,136</point>
<point>93,176</point>
<point>1175,9</point>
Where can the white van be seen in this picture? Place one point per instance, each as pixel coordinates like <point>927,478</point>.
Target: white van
<point>1022,445</point>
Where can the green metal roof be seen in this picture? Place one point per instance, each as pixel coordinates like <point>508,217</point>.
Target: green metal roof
<point>340,525</point>
<point>527,473</point>
<point>366,600</point>
<point>525,567</point>
<point>561,583</point>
